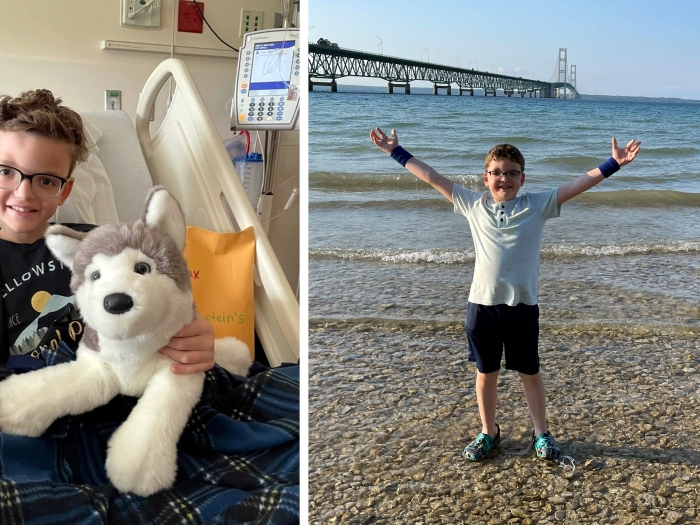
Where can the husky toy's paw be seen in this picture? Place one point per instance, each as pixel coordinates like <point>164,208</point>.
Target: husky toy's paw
<point>136,463</point>
<point>23,410</point>
<point>233,355</point>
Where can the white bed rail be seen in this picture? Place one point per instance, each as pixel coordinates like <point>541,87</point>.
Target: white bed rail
<point>187,156</point>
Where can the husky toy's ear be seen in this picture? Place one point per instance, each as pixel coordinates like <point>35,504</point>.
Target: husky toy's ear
<point>64,243</point>
<point>163,210</point>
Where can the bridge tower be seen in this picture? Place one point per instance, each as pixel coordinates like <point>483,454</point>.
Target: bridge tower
<point>572,76</point>
<point>562,72</point>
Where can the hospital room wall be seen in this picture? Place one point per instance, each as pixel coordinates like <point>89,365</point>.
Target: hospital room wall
<point>56,45</point>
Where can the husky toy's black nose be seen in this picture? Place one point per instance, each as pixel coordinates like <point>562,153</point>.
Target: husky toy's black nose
<point>118,303</point>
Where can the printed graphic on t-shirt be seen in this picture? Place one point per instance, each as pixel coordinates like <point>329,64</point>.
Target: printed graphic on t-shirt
<point>36,294</point>
<point>44,304</point>
<point>36,303</point>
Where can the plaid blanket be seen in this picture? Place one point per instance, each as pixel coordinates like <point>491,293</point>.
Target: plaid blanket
<point>238,460</point>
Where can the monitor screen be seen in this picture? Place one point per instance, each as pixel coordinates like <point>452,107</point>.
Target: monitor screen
<point>271,68</point>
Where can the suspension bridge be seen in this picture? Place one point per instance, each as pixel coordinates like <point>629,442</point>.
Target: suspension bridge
<point>328,62</point>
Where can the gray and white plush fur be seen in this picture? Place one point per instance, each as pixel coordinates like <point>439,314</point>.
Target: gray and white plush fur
<point>133,289</point>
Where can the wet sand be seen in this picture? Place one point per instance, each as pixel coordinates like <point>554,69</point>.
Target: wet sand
<point>392,405</point>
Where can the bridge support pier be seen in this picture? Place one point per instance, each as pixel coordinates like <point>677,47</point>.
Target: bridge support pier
<point>406,86</point>
<point>332,84</point>
<point>437,87</point>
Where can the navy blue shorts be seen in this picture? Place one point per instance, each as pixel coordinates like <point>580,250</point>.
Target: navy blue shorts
<point>491,329</point>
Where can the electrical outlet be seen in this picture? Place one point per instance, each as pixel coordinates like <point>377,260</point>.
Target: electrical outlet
<point>188,18</point>
<point>251,21</point>
<point>140,14</point>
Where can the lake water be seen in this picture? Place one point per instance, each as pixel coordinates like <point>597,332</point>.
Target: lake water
<point>386,246</point>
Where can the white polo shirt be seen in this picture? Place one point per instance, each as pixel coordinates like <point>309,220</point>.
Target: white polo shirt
<point>507,240</point>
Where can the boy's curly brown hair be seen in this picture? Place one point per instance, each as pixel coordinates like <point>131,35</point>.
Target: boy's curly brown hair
<point>505,151</point>
<point>40,113</point>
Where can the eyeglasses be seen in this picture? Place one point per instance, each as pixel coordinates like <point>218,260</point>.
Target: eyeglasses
<point>43,185</point>
<point>512,174</point>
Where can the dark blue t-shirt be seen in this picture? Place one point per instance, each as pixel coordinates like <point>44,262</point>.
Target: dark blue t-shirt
<point>37,306</point>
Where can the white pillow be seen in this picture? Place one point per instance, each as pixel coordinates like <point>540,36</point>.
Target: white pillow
<point>91,201</point>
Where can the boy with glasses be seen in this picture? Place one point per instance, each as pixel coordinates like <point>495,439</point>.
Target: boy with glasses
<point>502,312</point>
<point>41,142</point>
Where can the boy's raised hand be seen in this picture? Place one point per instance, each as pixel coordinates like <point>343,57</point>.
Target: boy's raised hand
<point>627,154</point>
<point>383,141</point>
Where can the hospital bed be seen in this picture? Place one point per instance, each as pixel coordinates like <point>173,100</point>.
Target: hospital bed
<point>187,156</point>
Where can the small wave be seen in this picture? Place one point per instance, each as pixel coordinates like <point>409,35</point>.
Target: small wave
<point>639,198</point>
<point>579,163</point>
<point>520,140</point>
<point>439,256</point>
<point>392,204</point>
<point>359,182</point>
<point>671,152</point>
<point>447,256</point>
<point>353,148</point>
<point>650,199</point>
<point>610,250</point>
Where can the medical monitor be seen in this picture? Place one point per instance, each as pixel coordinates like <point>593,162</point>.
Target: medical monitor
<point>267,85</point>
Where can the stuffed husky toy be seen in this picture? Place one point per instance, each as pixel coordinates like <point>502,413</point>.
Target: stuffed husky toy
<point>132,286</point>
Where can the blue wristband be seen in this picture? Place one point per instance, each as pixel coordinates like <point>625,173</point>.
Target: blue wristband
<point>609,167</point>
<point>400,155</point>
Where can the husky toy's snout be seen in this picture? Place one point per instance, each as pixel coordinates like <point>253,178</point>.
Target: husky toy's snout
<point>118,303</point>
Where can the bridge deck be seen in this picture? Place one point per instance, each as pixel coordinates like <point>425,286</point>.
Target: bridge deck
<point>330,62</point>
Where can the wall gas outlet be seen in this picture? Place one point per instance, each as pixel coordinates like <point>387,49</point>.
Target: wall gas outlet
<point>188,18</point>
<point>140,14</point>
<point>113,99</point>
<point>251,21</point>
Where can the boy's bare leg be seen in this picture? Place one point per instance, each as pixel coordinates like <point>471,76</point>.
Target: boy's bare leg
<point>486,397</point>
<point>534,395</point>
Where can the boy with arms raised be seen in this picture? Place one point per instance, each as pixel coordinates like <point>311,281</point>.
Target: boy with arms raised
<point>502,312</point>
<point>41,141</point>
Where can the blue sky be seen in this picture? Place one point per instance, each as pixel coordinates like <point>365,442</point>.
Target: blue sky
<point>619,47</point>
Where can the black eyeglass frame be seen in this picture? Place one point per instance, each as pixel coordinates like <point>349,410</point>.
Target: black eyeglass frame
<point>505,173</point>
<point>23,176</point>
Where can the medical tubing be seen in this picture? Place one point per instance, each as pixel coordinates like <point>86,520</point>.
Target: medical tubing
<point>400,155</point>
<point>609,167</point>
<point>247,140</point>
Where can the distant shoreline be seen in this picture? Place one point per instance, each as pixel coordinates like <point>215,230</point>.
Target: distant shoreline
<point>640,99</point>
<point>359,88</point>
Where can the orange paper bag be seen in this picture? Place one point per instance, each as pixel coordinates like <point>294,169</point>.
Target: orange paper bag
<point>221,271</point>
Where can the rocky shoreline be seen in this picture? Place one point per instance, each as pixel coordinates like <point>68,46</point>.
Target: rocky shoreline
<point>391,407</point>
